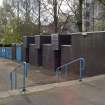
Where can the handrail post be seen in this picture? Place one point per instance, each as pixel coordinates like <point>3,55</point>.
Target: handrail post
<point>27,70</point>
<point>57,73</point>
<point>66,70</point>
<point>11,79</point>
<point>15,74</point>
<point>25,75</point>
<point>82,67</point>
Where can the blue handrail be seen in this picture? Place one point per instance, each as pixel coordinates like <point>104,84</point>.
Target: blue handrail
<point>13,76</point>
<point>65,66</point>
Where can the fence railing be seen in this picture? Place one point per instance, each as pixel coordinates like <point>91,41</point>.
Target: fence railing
<point>65,66</point>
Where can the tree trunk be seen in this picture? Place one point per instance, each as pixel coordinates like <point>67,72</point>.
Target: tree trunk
<point>55,16</point>
<point>79,23</point>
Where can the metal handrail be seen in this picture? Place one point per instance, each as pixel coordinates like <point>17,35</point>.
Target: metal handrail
<point>82,67</point>
<point>13,76</point>
<point>17,68</point>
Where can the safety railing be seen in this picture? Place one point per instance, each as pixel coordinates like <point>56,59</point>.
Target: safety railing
<point>24,69</point>
<point>65,66</point>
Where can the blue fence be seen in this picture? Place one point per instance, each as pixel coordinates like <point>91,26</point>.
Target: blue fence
<point>6,52</point>
<point>18,53</point>
<point>3,52</point>
<point>0,52</point>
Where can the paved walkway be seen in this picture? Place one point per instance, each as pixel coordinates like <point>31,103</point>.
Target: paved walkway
<point>37,76</point>
<point>89,92</point>
<point>6,66</point>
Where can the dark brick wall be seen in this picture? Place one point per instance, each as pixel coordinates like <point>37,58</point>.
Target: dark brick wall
<point>58,40</point>
<point>32,54</point>
<point>26,54</point>
<point>66,54</point>
<point>92,48</point>
<point>28,40</point>
<point>51,59</point>
<point>40,40</point>
<point>38,57</point>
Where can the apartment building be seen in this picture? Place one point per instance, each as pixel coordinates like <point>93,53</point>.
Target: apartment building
<point>93,12</point>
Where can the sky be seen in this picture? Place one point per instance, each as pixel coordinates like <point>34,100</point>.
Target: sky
<point>1,2</point>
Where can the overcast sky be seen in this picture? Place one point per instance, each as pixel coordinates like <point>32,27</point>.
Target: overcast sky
<point>1,2</point>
